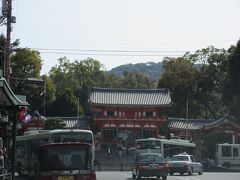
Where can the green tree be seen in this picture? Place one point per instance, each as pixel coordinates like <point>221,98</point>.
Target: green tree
<point>73,80</point>
<point>232,84</point>
<point>135,80</point>
<point>112,81</point>
<point>51,124</point>
<point>27,63</point>
<point>13,48</point>
<point>211,70</point>
<point>199,78</point>
<point>179,76</point>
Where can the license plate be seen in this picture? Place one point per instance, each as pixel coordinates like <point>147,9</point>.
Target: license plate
<point>153,166</point>
<point>177,165</point>
<point>65,177</point>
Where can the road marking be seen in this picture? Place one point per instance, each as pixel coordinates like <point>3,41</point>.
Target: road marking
<point>187,178</point>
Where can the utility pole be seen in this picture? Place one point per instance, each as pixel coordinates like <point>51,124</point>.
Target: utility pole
<point>187,119</point>
<point>7,52</point>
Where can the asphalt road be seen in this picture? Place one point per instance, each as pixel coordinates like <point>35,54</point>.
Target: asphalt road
<point>104,175</point>
<point>107,175</point>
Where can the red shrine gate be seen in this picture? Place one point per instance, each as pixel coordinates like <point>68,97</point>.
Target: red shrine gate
<point>124,115</point>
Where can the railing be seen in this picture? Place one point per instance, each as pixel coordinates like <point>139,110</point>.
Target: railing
<point>111,166</point>
<point>7,176</point>
<point>156,118</point>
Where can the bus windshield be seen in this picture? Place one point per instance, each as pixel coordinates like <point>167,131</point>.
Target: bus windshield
<point>69,157</point>
<point>145,144</point>
<point>72,137</point>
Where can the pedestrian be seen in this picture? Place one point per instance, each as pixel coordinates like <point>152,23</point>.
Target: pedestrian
<point>120,150</point>
<point>109,151</point>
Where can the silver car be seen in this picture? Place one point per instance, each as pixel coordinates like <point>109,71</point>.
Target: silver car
<point>184,163</point>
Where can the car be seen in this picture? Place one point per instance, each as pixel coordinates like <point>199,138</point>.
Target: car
<point>148,165</point>
<point>184,163</point>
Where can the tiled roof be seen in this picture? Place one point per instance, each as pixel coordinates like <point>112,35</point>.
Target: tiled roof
<point>191,124</point>
<point>74,122</point>
<point>154,97</point>
<point>217,122</point>
<point>194,124</point>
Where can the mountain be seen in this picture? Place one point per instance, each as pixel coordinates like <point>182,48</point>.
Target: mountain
<point>150,69</point>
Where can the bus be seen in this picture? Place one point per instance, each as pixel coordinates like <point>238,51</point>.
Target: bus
<point>166,147</point>
<point>65,161</point>
<point>28,144</point>
<point>228,156</point>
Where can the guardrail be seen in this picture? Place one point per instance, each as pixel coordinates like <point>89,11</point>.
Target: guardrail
<point>7,176</point>
<point>111,166</point>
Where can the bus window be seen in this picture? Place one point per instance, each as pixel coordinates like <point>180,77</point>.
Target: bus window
<point>235,152</point>
<point>34,144</point>
<point>226,151</point>
<point>20,149</point>
<point>72,137</point>
<point>148,144</point>
<point>170,150</point>
<point>65,158</point>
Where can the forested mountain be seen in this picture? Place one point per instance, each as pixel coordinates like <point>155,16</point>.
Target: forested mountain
<point>150,69</point>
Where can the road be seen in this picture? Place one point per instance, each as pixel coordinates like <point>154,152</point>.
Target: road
<point>103,175</point>
<point>107,175</point>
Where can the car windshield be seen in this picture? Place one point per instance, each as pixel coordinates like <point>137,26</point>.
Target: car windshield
<point>56,158</point>
<point>179,158</point>
<point>153,158</point>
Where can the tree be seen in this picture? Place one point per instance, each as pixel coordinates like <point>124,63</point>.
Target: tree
<point>13,48</point>
<point>54,124</point>
<point>26,64</point>
<point>179,76</point>
<point>73,81</point>
<point>135,80</point>
<point>231,94</point>
<point>112,81</point>
<point>199,78</point>
<point>211,69</point>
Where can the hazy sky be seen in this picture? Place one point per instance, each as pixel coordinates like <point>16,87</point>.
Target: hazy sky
<point>54,27</point>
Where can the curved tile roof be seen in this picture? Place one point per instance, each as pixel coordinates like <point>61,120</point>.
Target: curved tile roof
<point>182,123</point>
<point>194,124</point>
<point>112,96</point>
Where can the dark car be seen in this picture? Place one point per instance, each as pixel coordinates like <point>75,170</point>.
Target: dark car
<point>148,165</point>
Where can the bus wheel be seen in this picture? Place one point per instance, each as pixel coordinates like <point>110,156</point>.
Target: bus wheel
<point>164,177</point>
<point>138,176</point>
<point>190,172</point>
<point>133,176</point>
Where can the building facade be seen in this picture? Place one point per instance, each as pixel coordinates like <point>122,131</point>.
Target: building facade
<point>10,116</point>
<point>198,130</point>
<point>123,115</point>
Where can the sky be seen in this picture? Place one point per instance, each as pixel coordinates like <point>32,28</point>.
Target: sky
<point>117,32</point>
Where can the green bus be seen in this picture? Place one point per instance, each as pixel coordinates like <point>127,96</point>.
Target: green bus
<point>166,147</point>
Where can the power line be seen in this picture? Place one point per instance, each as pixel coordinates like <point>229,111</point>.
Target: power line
<point>160,42</point>
<point>105,54</point>
<point>113,51</point>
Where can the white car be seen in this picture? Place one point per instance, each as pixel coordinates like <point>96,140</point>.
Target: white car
<point>184,163</point>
